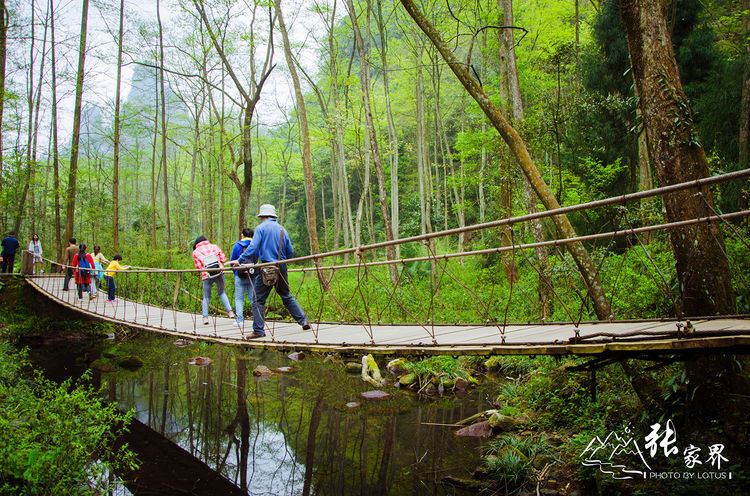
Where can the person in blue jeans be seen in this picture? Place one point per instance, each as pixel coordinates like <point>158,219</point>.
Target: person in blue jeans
<point>10,246</point>
<point>268,246</point>
<point>243,279</point>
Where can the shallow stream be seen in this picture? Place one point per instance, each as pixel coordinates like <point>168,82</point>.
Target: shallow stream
<point>290,433</point>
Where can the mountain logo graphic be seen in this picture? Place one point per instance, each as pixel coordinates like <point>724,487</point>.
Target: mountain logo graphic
<point>614,454</point>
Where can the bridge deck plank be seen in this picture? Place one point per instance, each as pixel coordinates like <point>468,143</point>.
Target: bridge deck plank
<point>410,338</point>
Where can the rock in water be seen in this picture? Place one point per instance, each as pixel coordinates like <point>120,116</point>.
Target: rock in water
<point>352,404</point>
<point>501,422</point>
<point>130,362</point>
<point>407,380</point>
<point>353,367</point>
<point>297,356</point>
<point>461,384</point>
<point>262,371</point>
<point>480,429</point>
<point>375,395</point>
<point>397,367</point>
<point>200,361</point>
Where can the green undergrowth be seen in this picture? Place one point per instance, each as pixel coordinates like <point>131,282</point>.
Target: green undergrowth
<point>55,438</point>
<point>560,418</point>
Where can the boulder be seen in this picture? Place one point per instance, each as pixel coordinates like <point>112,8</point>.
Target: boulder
<point>375,395</point>
<point>397,367</point>
<point>407,379</point>
<point>461,384</point>
<point>501,422</point>
<point>103,365</point>
<point>353,367</point>
<point>480,429</point>
<point>262,371</point>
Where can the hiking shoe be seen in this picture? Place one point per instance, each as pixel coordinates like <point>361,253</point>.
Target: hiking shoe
<point>232,315</point>
<point>92,297</point>
<point>205,320</point>
<point>306,327</point>
<point>255,335</point>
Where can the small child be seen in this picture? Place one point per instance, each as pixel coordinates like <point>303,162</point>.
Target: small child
<point>109,276</point>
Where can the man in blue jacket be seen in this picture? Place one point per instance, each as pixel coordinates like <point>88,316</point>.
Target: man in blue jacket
<point>269,246</point>
<point>243,279</point>
<point>10,246</point>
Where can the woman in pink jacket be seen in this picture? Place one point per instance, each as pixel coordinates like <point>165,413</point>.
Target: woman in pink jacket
<point>207,255</point>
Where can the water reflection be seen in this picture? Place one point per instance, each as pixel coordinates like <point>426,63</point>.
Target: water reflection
<point>290,433</point>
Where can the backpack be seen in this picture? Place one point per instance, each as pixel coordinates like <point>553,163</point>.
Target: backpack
<point>211,261</point>
<point>83,262</point>
<point>270,274</point>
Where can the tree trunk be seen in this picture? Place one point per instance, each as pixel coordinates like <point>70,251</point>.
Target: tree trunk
<point>4,22</point>
<point>312,221</point>
<point>676,156</point>
<point>153,161</point>
<point>521,153</point>
<point>744,142</point>
<point>392,136</point>
<point>55,148</point>
<point>71,200</point>
<point>116,158</point>
<point>364,79</point>
<point>163,127</point>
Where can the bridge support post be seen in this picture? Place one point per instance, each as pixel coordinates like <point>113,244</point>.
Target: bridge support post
<point>27,263</point>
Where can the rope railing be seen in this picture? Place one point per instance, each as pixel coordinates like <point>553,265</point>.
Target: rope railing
<point>164,298</point>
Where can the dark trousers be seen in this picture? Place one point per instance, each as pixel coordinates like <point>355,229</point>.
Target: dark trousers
<point>110,287</point>
<point>260,295</point>
<point>7,265</point>
<point>83,287</point>
<point>68,277</point>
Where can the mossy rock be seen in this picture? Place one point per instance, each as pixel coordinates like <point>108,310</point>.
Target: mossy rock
<point>131,362</point>
<point>407,379</point>
<point>353,367</point>
<point>501,422</point>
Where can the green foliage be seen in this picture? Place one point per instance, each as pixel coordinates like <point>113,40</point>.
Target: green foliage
<point>55,438</point>
<point>510,460</point>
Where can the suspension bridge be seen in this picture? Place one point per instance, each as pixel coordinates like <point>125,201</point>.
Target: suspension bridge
<point>160,300</point>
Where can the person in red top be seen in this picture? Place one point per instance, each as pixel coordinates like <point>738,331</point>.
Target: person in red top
<point>209,256</point>
<point>83,265</point>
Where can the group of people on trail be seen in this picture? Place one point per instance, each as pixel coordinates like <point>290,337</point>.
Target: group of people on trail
<point>88,272</point>
<point>269,242</point>
<point>11,245</point>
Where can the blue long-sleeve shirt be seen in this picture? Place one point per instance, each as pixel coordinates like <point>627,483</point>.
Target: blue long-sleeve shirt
<point>10,245</point>
<point>265,244</point>
<point>238,248</point>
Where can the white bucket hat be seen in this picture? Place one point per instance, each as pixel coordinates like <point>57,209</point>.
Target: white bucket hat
<point>267,211</point>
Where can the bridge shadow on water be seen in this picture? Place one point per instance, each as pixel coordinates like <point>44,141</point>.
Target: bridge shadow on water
<point>217,429</point>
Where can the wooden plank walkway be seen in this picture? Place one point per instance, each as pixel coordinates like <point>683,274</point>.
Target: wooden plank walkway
<point>520,339</point>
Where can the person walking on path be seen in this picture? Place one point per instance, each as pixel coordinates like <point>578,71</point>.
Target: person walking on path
<point>70,252</point>
<point>83,264</point>
<point>109,276</point>
<point>271,244</point>
<point>243,278</point>
<point>209,256</point>
<point>35,248</point>
<point>10,246</point>
<point>99,262</point>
